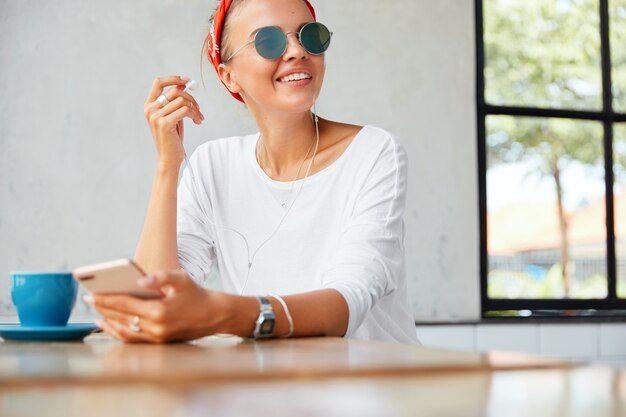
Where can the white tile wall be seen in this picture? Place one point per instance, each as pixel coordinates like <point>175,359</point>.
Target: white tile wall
<point>600,342</point>
<point>449,336</point>
<point>522,337</point>
<point>612,339</point>
<point>572,340</point>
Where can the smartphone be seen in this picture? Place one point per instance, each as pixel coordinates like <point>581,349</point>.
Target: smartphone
<point>114,277</point>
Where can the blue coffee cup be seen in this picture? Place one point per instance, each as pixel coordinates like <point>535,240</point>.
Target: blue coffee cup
<point>43,298</point>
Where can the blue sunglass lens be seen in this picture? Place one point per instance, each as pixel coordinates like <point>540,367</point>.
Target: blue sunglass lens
<point>315,38</point>
<point>270,42</point>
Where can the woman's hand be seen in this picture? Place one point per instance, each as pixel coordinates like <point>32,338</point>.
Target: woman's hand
<point>186,311</point>
<point>166,122</point>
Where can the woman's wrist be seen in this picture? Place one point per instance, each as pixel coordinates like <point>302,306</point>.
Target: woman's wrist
<point>168,168</point>
<point>166,180</point>
<point>236,314</point>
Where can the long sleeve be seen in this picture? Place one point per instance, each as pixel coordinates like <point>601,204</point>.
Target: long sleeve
<point>369,261</point>
<point>195,245</point>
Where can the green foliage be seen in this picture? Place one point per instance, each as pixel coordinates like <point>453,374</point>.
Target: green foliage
<point>617,26</point>
<point>543,53</point>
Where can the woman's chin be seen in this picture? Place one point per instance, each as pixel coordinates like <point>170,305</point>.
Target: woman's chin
<point>288,101</point>
<point>296,102</point>
<point>298,106</point>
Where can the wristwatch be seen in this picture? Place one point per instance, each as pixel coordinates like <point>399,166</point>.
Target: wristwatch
<point>266,321</point>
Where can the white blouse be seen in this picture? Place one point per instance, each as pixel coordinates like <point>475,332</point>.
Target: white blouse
<point>341,228</point>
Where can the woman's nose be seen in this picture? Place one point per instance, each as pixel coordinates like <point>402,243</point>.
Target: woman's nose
<point>294,47</point>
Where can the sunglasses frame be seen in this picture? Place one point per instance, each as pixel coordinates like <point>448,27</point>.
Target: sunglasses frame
<point>298,33</point>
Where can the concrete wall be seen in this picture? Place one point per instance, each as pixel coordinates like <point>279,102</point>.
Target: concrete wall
<point>76,156</point>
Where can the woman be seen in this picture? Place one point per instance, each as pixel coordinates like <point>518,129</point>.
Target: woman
<point>308,208</point>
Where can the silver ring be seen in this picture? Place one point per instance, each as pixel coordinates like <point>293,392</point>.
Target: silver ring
<point>134,326</point>
<point>162,100</point>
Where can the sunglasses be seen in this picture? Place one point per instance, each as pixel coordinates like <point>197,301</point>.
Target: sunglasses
<point>271,42</point>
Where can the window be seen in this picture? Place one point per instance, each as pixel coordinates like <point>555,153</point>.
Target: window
<point>551,92</point>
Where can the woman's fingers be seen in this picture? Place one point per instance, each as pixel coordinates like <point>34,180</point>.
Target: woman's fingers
<point>116,315</point>
<point>171,95</point>
<point>166,121</point>
<point>160,83</point>
<point>111,329</point>
<point>176,116</point>
<point>177,103</point>
<point>129,305</point>
<point>122,332</point>
<point>176,100</point>
<point>155,331</point>
<point>174,93</point>
<point>165,319</point>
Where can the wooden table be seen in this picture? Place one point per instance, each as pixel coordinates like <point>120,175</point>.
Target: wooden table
<point>301,377</point>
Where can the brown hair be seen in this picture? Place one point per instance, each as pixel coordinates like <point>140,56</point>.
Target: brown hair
<point>224,44</point>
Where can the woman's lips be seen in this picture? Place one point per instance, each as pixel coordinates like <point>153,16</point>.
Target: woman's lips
<point>296,83</point>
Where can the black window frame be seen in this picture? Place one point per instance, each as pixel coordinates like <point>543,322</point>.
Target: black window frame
<point>608,117</point>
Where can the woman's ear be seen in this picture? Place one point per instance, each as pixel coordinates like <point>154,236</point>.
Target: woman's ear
<point>228,78</point>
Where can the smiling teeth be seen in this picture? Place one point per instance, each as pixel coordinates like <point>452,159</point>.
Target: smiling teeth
<point>295,77</point>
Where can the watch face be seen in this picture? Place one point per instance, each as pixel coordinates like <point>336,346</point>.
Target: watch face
<point>267,326</point>
<point>266,321</point>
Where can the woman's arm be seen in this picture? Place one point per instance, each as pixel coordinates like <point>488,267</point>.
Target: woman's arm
<point>157,247</point>
<point>321,312</point>
<point>188,311</point>
<point>315,313</point>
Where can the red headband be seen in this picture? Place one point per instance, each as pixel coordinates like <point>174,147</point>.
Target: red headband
<point>215,35</point>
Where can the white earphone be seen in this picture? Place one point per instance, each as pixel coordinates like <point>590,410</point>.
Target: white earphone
<point>191,85</point>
